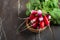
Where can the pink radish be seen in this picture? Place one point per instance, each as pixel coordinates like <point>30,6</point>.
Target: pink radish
<point>48,16</point>
<point>34,19</point>
<point>39,13</point>
<point>31,17</point>
<point>46,20</point>
<point>34,25</point>
<point>42,24</point>
<point>40,18</point>
<point>33,12</point>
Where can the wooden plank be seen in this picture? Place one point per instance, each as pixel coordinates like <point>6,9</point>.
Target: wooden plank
<point>26,35</point>
<point>1,4</point>
<point>9,18</point>
<point>45,35</point>
<point>56,32</point>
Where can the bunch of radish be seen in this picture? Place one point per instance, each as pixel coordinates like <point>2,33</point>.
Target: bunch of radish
<point>37,20</point>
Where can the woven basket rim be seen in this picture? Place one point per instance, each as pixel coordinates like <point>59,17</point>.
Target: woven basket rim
<point>32,29</point>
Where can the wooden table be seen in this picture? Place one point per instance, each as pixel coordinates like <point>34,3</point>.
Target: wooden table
<point>45,35</point>
<point>9,15</point>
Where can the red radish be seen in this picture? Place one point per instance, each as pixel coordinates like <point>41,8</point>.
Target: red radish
<point>46,21</point>
<point>34,20</point>
<point>31,17</point>
<point>33,12</point>
<point>48,16</point>
<point>40,18</point>
<point>34,25</point>
<point>39,13</point>
<point>42,24</point>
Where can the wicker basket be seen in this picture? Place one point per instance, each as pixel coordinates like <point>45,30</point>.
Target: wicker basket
<point>32,29</point>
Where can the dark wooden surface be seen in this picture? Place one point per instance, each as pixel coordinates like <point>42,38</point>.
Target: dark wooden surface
<point>9,14</point>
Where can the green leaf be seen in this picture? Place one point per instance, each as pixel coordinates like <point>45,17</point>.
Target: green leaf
<point>55,15</point>
<point>28,5</point>
<point>27,12</point>
<point>42,0</point>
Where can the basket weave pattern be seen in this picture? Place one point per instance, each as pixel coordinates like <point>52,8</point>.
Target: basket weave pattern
<point>32,29</point>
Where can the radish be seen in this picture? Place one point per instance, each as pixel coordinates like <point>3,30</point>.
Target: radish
<point>42,24</point>
<point>33,12</point>
<point>47,23</point>
<point>34,25</point>
<point>39,13</point>
<point>31,17</point>
<point>34,19</point>
<point>48,16</point>
<point>40,18</point>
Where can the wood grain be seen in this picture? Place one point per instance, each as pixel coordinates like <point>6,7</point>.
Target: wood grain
<point>9,18</point>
